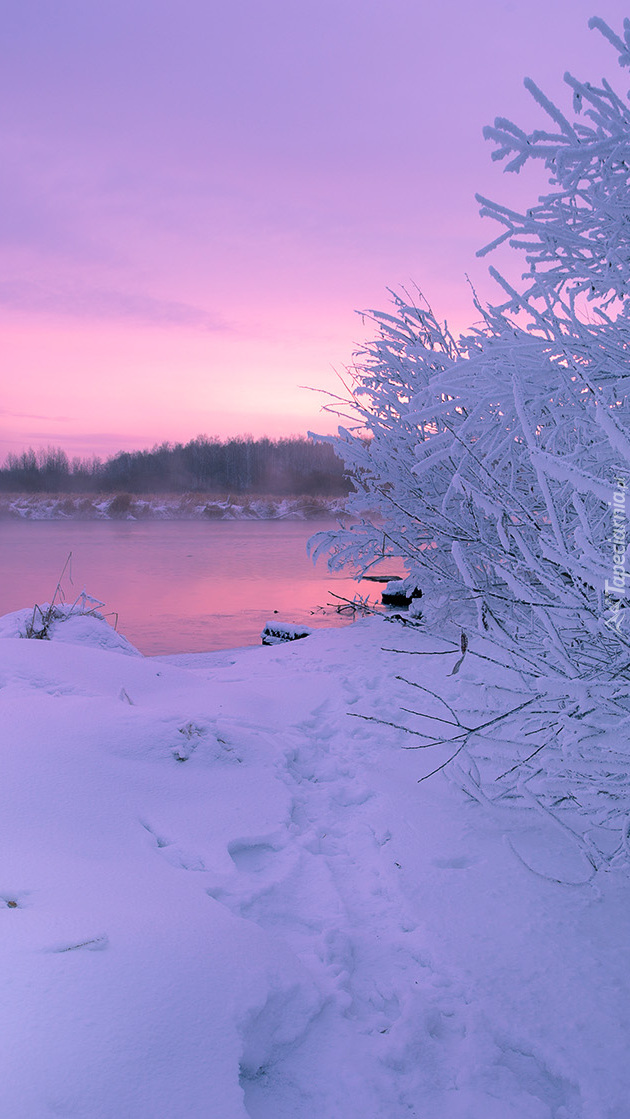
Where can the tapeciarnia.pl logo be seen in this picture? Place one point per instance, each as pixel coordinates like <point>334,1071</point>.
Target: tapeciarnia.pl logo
<point>615,588</point>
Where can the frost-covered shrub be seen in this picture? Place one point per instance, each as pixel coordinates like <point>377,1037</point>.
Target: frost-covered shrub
<point>577,238</point>
<point>489,463</point>
<point>497,466</point>
<point>490,467</point>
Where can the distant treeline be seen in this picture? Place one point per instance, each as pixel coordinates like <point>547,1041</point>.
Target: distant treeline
<point>206,465</point>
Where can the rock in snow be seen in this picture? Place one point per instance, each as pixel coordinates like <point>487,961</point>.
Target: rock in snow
<point>222,896</point>
<point>401,592</point>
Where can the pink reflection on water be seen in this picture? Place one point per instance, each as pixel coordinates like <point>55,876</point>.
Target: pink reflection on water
<point>179,586</point>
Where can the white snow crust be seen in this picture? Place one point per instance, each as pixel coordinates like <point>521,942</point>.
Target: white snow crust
<point>223,896</point>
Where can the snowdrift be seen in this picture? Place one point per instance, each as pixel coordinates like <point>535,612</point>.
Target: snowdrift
<point>224,894</point>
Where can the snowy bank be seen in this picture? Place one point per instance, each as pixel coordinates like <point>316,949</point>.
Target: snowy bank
<point>224,894</point>
<point>177,507</point>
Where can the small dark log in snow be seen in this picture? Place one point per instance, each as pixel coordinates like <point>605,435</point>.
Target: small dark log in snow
<point>276,633</point>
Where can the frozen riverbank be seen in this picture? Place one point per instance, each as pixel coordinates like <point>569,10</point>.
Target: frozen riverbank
<point>175,507</point>
<point>223,896</point>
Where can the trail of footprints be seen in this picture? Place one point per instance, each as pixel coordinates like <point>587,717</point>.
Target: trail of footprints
<point>327,885</point>
<point>318,884</point>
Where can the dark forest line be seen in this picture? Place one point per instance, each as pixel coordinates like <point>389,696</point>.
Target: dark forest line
<point>295,465</point>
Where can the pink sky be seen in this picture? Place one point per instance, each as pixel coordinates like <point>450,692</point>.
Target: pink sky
<point>196,197</point>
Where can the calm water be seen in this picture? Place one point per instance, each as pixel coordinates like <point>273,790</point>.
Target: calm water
<point>177,586</point>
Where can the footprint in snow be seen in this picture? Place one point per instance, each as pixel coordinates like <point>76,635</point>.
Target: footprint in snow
<point>177,856</point>
<point>250,857</point>
<point>456,862</point>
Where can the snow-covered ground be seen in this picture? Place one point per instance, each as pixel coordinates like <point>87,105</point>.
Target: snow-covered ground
<point>223,896</point>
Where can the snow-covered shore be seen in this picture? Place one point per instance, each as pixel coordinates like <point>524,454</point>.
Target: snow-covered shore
<point>188,506</point>
<point>222,896</point>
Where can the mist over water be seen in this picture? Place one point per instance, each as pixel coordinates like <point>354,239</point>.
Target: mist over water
<point>178,587</point>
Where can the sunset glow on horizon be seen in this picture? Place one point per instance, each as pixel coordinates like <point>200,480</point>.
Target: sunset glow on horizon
<point>197,199</point>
